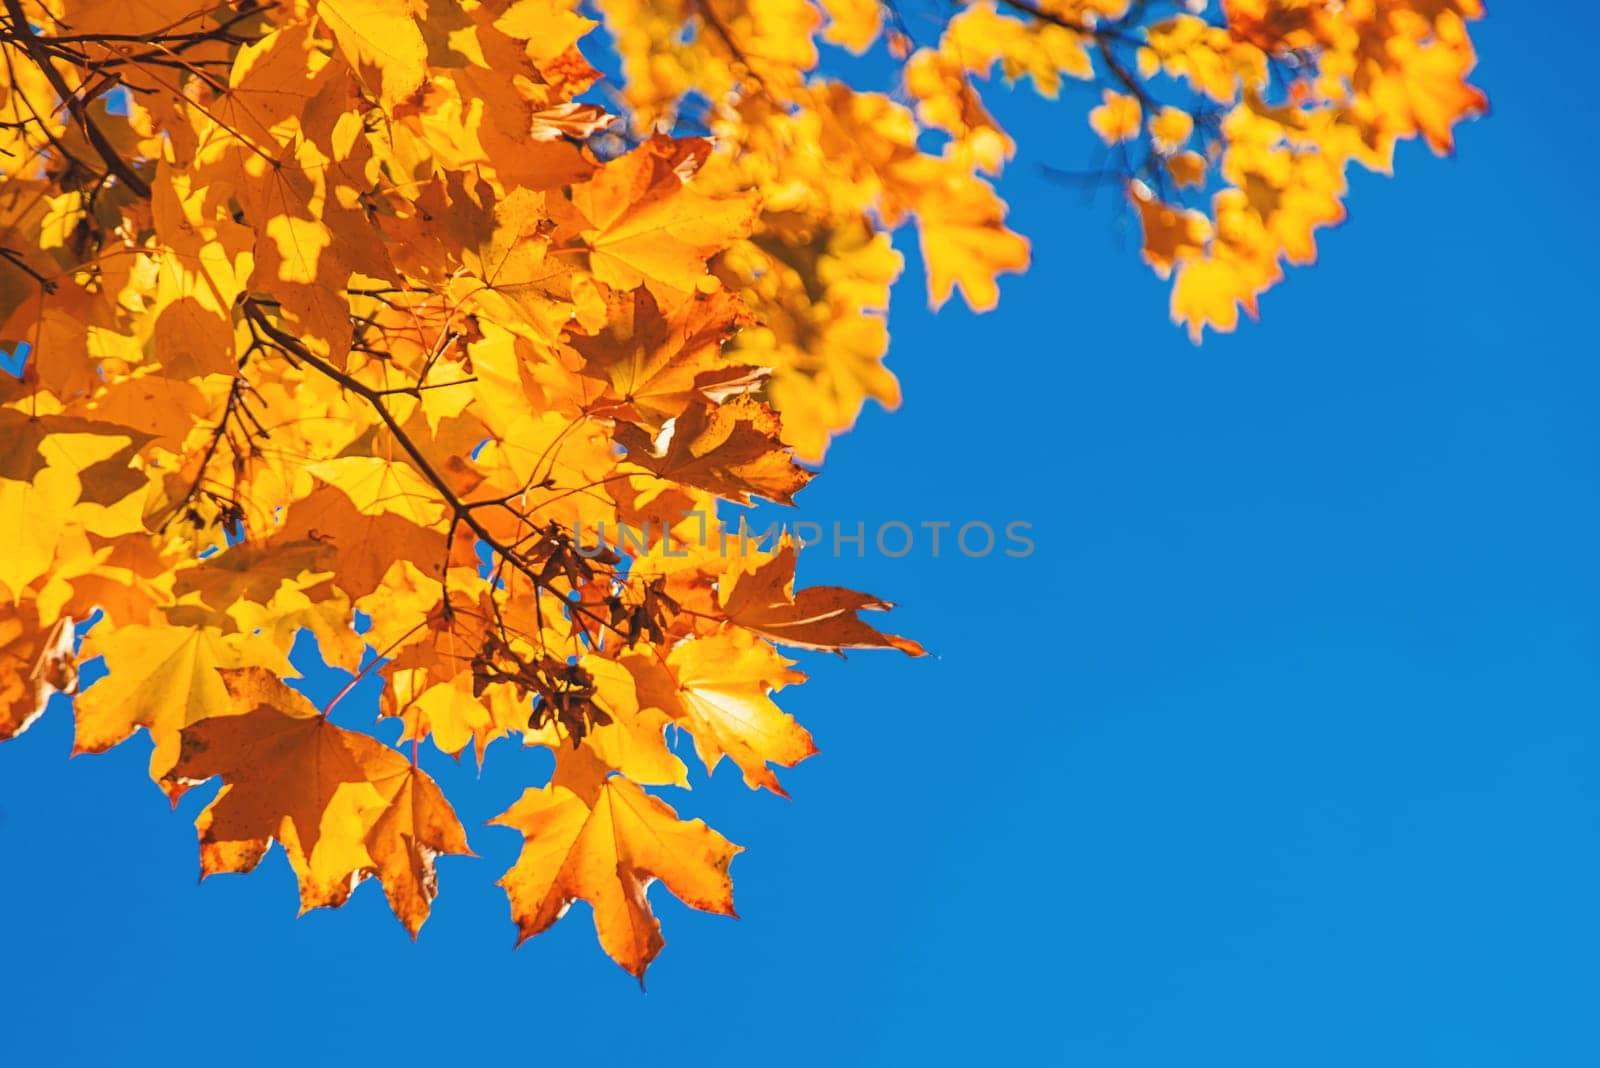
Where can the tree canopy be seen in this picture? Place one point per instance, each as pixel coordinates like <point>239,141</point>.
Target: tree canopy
<point>369,319</point>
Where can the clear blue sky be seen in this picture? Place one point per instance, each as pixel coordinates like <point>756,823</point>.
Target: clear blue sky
<point>1279,751</point>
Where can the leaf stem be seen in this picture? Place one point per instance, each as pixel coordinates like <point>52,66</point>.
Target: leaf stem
<point>377,659</point>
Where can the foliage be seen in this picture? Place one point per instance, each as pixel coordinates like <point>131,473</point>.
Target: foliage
<point>366,318</point>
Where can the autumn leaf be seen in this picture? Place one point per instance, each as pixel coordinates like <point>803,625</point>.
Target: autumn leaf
<point>718,688</point>
<point>1117,119</point>
<point>35,515</point>
<point>453,715</point>
<point>606,847</point>
<point>1171,128</point>
<point>735,449</point>
<point>357,547</point>
<point>380,34</point>
<point>35,665</point>
<point>1171,234</point>
<point>644,224</point>
<point>760,595</point>
<point>342,805</point>
<point>162,677</point>
<point>658,361</point>
<point>965,242</point>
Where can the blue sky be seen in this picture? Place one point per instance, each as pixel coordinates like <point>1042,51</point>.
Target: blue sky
<point>1279,750</point>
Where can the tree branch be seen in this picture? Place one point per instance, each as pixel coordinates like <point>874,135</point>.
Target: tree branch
<point>30,42</point>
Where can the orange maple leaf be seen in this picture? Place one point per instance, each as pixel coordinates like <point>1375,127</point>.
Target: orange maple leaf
<point>605,844</point>
<point>760,595</point>
<point>343,805</point>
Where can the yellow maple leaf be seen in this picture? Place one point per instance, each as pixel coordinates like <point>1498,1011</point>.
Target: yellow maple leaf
<point>1117,118</point>
<point>381,34</point>
<point>161,678</point>
<point>606,848</point>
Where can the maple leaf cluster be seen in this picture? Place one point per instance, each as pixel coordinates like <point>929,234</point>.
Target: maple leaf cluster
<point>1229,127</point>
<point>362,319</point>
